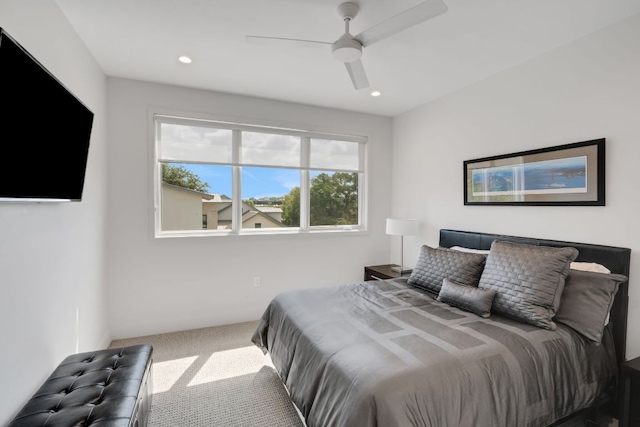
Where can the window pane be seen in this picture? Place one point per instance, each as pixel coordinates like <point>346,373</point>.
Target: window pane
<point>196,197</point>
<point>270,150</point>
<point>334,198</point>
<point>191,143</point>
<point>270,197</point>
<point>329,154</point>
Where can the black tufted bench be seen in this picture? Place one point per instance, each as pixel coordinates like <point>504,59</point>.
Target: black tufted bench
<point>104,388</point>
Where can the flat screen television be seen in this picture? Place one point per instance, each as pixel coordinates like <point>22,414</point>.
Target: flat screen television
<point>45,131</point>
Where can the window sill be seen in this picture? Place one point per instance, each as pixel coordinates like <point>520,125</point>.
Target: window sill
<point>263,232</point>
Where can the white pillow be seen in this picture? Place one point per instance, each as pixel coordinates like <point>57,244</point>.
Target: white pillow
<point>474,251</point>
<point>590,266</point>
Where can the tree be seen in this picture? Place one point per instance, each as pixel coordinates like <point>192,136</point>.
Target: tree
<point>291,208</point>
<point>334,201</point>
<point>182,177</point>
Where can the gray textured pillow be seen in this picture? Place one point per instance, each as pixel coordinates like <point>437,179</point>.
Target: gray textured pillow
<point>528,280</point>
<point>586,301</point>
<point>467,298</point>
<point>434,264</point>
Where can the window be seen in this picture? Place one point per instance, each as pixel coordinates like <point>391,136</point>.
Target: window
<point>230,178</point>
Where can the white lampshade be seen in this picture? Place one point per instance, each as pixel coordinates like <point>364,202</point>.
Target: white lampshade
<point>402,227</point>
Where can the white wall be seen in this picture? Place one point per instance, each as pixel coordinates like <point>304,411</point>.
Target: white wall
<point>585,90</point>
<point>53,301</point>
<point>169,284</point>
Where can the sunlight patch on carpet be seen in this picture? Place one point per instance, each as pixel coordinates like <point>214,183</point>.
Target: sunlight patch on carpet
<point>166,374</point>
<point>229,364</point>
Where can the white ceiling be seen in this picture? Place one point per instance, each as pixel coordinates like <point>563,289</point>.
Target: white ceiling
<point>474,39</point>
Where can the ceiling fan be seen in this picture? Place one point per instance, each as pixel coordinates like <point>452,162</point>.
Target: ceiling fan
<point>348,48</point>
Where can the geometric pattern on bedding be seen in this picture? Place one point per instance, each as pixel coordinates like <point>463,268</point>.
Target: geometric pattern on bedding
<point>382,353</point>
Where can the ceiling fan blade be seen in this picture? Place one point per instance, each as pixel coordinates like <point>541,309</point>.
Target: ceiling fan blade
<point>281,40</point>
<point>410,17</point>
<point>357,74</point>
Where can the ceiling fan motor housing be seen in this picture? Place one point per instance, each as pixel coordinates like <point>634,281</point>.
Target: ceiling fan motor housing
<point>346,49</point>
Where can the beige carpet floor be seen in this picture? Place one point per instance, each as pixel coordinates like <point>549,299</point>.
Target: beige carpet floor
<point>215,377</point>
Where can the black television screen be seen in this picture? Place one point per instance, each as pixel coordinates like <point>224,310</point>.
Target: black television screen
<point>45,130</point>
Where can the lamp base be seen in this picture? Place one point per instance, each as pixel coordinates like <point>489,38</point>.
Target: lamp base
<point>398,269</point>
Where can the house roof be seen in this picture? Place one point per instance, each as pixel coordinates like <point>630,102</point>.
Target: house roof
<point>205,196</point>
<point>268,209</point>
<point>248,208</point>
<point>216,198</point>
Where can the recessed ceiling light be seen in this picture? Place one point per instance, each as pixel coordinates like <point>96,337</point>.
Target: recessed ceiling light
<point>185,59</point>
<point>376,93</point>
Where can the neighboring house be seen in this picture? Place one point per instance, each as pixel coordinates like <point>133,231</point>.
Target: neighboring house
<point>182,208</point>
<point>185,209</point>
<point>257,219</point>
<point>224,214</point>
<point>265,216</point>
<point>213,218</point>
<point>272,211</point>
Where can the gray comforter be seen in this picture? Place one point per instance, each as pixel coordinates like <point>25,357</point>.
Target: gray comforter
<point>386,354</point>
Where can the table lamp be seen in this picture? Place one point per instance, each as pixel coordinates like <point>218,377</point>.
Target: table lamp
<point>402,227</point>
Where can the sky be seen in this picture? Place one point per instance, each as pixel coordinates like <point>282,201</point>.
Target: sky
<point>256,182</point>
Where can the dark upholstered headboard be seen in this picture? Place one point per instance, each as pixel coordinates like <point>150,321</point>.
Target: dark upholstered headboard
<point>614,258</point>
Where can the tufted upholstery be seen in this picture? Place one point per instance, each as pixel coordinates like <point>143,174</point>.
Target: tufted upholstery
<point>468,298</point>
<point>434,264</point>
<point>105,388</point>
<point>528,280</point>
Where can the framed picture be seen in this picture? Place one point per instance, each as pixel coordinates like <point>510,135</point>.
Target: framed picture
<point>564,175</point>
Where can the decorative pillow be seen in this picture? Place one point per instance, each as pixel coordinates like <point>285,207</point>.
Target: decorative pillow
<point>434,264</point>
<point>590,266</point>
<point>467,298</point>
<point>473,251</point>
<point>586,301</point>
<point>528,280</point>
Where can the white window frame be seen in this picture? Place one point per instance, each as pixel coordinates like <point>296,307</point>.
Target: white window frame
<point>236,165</point>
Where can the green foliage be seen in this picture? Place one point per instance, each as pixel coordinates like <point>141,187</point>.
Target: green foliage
<point>334,201</point>
<point>182,177</point>
<point>291,208</point>
<point>265,201</point>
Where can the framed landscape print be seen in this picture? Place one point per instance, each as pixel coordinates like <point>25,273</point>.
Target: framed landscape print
<point>564,175</point>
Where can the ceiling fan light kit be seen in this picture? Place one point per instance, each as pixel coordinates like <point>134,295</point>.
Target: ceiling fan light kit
<point>348,48</point>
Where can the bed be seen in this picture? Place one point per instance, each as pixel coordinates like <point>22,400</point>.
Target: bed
<point>397,353</point>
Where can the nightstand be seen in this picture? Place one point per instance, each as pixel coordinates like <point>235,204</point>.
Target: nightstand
<point>381,272</point>
<point>629,399</point>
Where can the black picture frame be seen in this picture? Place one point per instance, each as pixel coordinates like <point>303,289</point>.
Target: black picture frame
<point>563,175</point>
